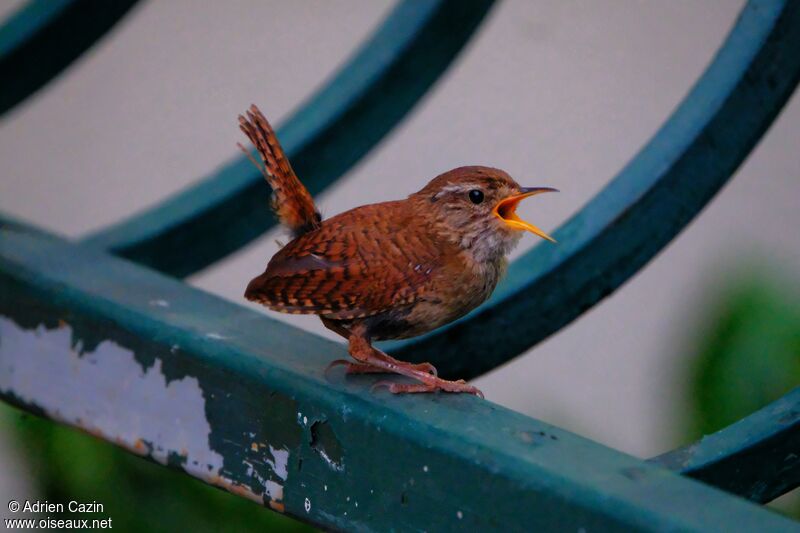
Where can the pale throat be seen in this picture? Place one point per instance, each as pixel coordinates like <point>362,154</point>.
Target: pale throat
<point>490,245</point>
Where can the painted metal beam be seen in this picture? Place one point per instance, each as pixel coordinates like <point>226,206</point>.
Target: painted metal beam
<point>340,124</point>
<point>651,200</point>
<point>240,401</point>
<point>758,457</point>
<point>43,37</point>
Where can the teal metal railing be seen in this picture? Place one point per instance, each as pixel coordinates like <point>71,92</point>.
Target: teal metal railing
<point>257,416</point>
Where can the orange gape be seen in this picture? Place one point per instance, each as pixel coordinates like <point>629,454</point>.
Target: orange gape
<point>390,270</point>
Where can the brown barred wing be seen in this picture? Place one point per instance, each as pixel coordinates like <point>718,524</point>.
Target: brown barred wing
<point>360,263</point>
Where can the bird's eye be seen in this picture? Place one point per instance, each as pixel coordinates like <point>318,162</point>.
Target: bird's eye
<point>476,196</point>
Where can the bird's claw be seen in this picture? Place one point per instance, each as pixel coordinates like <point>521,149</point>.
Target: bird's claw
<point>426,367</point>
<point>334,364</point>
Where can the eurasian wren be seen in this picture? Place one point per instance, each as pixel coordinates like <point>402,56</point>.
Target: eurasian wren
<point>390,270</point>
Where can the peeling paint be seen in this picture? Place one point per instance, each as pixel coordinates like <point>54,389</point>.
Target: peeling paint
<point>338,467</point>
<point>41,367</point>
<point>277,506</point>
<point>234,488</point>
<point>94,390</point>
<point>280,465</point>
<point>325,443</point>
<point>273,490</point>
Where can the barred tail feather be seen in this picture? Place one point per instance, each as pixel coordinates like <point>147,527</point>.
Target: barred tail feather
<point>291,201</point>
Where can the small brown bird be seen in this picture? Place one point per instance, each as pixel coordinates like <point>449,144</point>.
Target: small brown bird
<point>390,270</point>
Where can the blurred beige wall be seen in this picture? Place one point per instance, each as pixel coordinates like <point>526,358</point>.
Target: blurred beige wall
<point>559,93</point>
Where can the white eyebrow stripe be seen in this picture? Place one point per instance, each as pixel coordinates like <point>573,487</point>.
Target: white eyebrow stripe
<point>456,188</point>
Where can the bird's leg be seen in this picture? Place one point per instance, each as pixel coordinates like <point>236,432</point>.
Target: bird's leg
<point>364,368</point>
<point>350,366</point>
<point>362,351</point>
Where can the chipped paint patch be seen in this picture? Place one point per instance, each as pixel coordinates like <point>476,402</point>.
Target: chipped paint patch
<point>95,390</point>
<point>277,506</point>
<point>301,419</point>
<point>338,467</point>
<point>279,465</point>
<point>325,443</point>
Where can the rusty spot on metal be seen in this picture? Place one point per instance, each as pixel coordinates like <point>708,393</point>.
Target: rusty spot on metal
<point>277,506</point>
<point>234,488</point>
<point>140,447</point>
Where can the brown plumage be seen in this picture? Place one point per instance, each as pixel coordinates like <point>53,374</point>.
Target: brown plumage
<point>390,270</point>
<point>291,200</point>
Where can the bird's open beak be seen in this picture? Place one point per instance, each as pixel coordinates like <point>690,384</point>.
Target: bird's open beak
<point>506,210</point>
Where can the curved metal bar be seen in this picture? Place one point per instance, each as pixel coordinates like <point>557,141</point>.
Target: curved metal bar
<point>327,136</point>
<point>758,457</point>
<point>44,37</point>
<point>651,200</point>
<point>27,21</point>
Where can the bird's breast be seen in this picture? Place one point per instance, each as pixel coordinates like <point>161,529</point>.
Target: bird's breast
<point>457,289</point>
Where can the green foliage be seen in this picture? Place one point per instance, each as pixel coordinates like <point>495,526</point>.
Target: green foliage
<point>136,494</point>
<point>748,353</point>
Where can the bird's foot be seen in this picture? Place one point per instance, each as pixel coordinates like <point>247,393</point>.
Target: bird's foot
<point>364,368</point>
<point>424,373</point>
<point>429,386</point>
